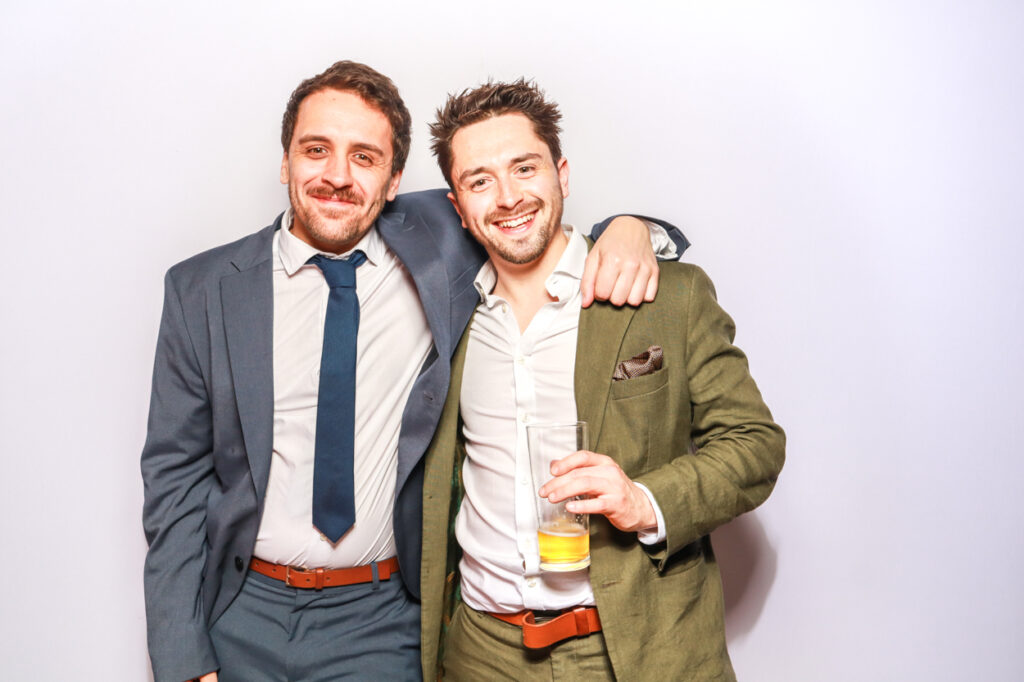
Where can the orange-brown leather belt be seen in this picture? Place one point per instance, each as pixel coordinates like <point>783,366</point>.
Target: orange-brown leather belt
<point>577,622</point>
<point>319,578</point>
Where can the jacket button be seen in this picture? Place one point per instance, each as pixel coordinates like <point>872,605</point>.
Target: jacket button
<point>238,563</point>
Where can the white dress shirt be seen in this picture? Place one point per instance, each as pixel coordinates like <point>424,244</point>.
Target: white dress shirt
<point>394,340</point>
<point>512,379</point>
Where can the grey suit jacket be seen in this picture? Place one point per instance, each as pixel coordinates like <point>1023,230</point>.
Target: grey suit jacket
<point>207,455</point>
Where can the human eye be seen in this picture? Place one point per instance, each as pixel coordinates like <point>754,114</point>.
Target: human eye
<point>317,150</point>
<point>478,184</point>
<point>526,170</point>
<point>362,159</point>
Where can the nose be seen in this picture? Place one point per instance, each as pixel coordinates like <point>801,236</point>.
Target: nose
<point>509,194</point>
<point>337,173</point>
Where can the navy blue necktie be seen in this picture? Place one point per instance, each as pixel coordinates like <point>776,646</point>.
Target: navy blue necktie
<point>334,507</point>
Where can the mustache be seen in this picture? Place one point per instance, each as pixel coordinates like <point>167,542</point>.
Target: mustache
<point>343,194</point>
<point>520,211</point>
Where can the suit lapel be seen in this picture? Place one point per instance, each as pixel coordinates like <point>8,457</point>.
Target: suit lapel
<point>602,328</point>
<point>442,496</point>
<point>416,248</point>
<point>441,465</point>
<point>247,300</point>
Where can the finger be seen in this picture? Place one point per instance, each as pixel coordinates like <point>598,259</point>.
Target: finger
<point>580,485</point>
<point>652,285</point>
<point>623,284</point>
<point>559,483</point>
<point>639,288</point>
<point>590,269</point>
<point>580,458</point>
<point>592,505</point>
<point>605,278</point>
<point>616,511</point>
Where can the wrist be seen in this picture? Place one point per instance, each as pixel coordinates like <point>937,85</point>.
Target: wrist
<point>648,520</point>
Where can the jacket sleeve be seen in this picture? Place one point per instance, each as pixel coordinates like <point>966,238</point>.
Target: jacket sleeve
<point>737,449</point>
<point>673,232</point>
<point>177,472</point>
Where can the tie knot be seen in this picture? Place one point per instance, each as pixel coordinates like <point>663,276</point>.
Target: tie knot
<point>339,272</point>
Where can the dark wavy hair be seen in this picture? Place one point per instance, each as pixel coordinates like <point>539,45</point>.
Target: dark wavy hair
<point>375,88</point>
<point>494,99</point>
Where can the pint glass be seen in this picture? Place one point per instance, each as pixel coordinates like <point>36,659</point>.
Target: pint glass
<point>563,537</point>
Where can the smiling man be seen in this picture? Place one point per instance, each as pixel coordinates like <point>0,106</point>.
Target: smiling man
<point>299,377</point>
<point>336,199</point>
<point>688,442</point>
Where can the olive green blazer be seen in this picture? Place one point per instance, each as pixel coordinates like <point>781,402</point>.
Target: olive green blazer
<point>696,433</point>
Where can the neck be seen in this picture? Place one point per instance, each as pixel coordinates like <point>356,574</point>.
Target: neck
<point>523,286</point>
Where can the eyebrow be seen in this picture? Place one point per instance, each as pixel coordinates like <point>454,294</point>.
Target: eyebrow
<point>364,146</point>
<point>483,169</point>
<point>311,138</point>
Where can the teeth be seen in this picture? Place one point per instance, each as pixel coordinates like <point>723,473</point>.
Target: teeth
<point>516,222</point>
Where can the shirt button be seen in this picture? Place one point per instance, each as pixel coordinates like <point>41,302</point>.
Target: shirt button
<point>523,481</point>
<point>520,360</point>
<point>504,307</point>
<point>532,582</point>
<point>525,418</point>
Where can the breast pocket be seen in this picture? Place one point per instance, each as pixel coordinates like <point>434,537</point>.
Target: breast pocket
<point>639,386</point>
<point>634,419</point>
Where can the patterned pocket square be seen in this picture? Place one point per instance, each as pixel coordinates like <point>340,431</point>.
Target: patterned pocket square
<point>647,362</point>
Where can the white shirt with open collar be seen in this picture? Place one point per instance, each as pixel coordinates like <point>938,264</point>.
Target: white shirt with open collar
<point>512,379</point>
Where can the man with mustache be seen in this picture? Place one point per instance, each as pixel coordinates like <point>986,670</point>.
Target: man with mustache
<point>298,380</point>
<point>687,443</point>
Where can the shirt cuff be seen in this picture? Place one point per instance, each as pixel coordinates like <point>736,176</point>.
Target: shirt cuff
<point>664,248</point>
<point>651,536</point>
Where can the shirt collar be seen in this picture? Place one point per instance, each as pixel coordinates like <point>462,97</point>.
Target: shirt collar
<point>563,282</point>
<point>295,253</point>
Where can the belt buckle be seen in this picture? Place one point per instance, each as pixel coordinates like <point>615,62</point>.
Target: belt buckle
<point>288,576</point>
<point>544,617</point>
<point>318,577</point>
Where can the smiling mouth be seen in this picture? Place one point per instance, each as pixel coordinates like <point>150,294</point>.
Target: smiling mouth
<point>515,223</point>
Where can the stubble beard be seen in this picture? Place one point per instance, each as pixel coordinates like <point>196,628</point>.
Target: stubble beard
<point>521,252</point>
<point>331,228</point>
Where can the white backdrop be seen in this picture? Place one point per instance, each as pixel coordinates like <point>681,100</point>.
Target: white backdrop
<point>849,174</point>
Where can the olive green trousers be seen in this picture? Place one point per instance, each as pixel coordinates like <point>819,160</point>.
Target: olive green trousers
<point>481,647</point>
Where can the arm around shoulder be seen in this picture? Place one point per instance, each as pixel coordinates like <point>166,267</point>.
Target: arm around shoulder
<point>678,239</point>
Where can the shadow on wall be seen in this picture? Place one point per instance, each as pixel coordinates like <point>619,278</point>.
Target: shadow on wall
<point>748,565</point>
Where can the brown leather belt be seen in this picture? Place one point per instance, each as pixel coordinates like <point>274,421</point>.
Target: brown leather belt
<point>577,622</point>
<point>319,578</point>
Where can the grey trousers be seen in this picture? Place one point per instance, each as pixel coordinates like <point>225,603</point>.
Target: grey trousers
<point>275,633</point>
